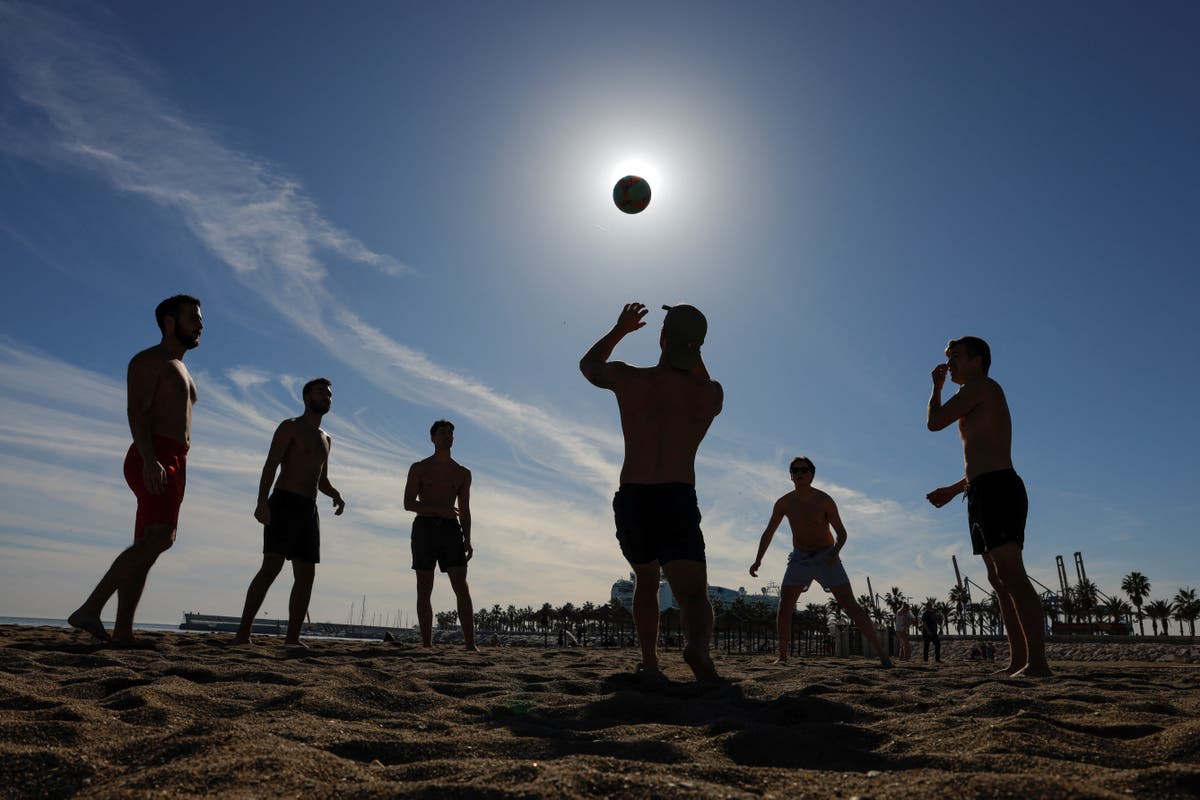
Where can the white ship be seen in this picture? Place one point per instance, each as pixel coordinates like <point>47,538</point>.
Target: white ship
<point>622,591</point>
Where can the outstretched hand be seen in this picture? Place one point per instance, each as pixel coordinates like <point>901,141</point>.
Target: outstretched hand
<point>631,318</point>
<point>939,497</point>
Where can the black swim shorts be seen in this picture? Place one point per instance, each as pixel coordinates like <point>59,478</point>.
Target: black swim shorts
<point>295,529</point>
<point>437,541</point>
<point>996,509</point>
<point>658,522</point>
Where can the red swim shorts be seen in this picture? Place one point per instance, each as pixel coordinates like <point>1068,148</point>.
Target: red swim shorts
<point>158,509</point>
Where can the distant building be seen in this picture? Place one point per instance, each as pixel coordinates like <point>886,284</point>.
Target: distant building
<point>622,591</point>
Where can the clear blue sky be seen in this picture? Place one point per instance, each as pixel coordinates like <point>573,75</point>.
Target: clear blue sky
<point>415,202</point>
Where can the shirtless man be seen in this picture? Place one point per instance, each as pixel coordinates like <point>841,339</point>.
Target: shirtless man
<point>665,412</point>
<point>996,501</point>
<point>815,555</point>
<point>292,529</point>
<point>439,490</point>
<point>161,394</point>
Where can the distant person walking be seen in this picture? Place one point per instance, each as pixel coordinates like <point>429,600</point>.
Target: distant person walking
<point>931,623</point>
<point>665,411</point>
<point>161,394</point>
<point>997,504</point>
<point>439,491</point>
<point>291,526</point>
<point>904,622</point>
<point>815,555</point>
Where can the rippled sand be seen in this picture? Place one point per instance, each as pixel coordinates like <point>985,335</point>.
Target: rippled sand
<point>345,719</point>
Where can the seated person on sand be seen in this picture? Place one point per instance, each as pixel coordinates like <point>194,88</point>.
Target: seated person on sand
<point>665,412</point>
<point>811,513</point>
<point>291,527</point>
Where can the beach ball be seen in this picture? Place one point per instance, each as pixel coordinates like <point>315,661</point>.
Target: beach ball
<point>631,194</point>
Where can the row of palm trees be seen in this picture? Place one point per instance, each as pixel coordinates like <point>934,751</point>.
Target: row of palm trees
<point>749,624</point>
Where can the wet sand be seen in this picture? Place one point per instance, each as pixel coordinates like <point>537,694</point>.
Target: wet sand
<point>195,717</point>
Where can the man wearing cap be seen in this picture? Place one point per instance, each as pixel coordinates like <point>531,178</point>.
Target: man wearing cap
<point>665,412</point>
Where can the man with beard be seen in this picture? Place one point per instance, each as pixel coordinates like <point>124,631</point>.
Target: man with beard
<point>292,530</point>
<point>161,394</point>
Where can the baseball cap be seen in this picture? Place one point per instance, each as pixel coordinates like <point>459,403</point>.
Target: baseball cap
<point>684,329</point>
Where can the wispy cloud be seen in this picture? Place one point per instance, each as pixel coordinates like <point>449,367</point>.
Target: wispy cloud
<point>99,108</point>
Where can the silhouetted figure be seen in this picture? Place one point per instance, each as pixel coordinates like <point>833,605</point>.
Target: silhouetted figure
<point>439,490</point>
<point>997,504</point>
<point>291,525</point>
<point>931,622</point>
<point>904,622</point>
<point>815,555</point>
<point>161,394</point>
<point>665,412</point>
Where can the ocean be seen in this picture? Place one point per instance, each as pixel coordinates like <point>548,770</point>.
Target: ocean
<point>34,622</point>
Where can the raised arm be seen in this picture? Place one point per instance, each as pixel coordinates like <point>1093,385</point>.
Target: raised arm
<point>278,449</point>
<point>765,541</point>
<point>595,365</point>
<point>940,416</point>
<point>325,486</point>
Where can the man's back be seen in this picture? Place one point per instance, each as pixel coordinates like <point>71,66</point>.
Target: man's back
<point>665,413</point>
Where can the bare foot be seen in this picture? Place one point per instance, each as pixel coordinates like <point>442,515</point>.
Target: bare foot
<point>470,648</point>
<point>295,643</point>
<point>701,663</point>
<point>781,661</point>
<point>1010,670</point>
<point>239,640</point>
<point>387,637</point>
<point>885,662</point>
<point>650,677</point>
<point>86,621</point>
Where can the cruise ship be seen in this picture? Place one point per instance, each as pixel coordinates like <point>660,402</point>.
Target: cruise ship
<point>622,591</point>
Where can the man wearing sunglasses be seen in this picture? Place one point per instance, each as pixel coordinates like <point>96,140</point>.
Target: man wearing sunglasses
<point>815,555</point>
<point>665,411</point>
<point>997,504</point>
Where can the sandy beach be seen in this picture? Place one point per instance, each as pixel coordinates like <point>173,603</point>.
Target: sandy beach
<point>195,717</point>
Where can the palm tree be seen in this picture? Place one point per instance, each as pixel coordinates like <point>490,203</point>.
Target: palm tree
<point>1159,610</point>
<point>1187,609</point>
<point>960,600</point>
<point>1137,586</point>
<point>1087,597</point>
<point>1117,609</point>
<point>835,610</point>
<point>894,599</point>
